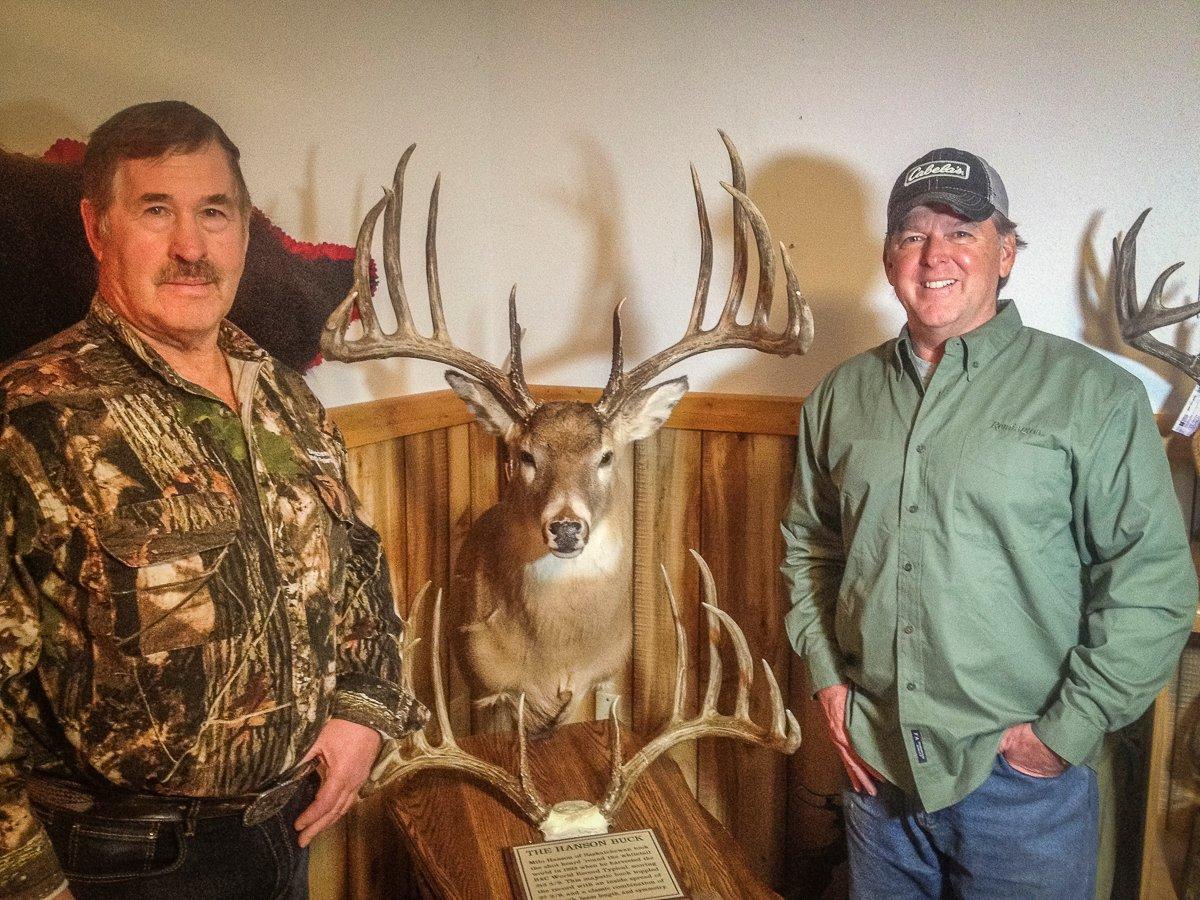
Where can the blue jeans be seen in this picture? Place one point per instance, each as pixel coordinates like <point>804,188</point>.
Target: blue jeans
<point>1013,837</point>
<point>110,859</point>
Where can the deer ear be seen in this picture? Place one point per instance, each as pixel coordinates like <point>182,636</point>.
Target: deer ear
<point>490,413</point>
<point>644,413</point>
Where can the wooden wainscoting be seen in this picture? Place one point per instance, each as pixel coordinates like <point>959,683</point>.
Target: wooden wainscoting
<point>716,479</point>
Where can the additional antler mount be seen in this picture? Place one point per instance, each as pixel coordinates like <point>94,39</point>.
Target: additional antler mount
<point>509,388</point>
<point>575,817</point>
<point>1137,323</point>
<point>796,336</point>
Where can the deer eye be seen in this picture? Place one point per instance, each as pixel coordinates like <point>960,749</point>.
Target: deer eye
<point>528,460</point>
<point>606,458</point>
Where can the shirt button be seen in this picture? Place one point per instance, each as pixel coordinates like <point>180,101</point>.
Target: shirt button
<point>912,507</point>
<point>975,365</point>
<point>920,448</point>
<point>908,629</point>
<point>908,567</point>
<point>910,686</point>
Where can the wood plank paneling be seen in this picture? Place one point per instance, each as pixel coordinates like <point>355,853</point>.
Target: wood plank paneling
<point>376,473</point>
<point>716,479</point>
<point>746,479</point>
<point>666,525</point>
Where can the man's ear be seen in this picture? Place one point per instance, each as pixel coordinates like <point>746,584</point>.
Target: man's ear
<point>490,413</point>
<point>1008,254</point>
<point>646,411</point>
<point>91,226</point>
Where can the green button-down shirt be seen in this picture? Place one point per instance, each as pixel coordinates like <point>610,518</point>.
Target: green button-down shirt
<point>1003,546</point>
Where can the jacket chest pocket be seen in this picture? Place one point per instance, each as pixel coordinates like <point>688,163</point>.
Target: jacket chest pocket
<point>168,575</point>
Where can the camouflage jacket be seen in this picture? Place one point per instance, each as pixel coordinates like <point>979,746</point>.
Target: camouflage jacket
<point>186,594</point>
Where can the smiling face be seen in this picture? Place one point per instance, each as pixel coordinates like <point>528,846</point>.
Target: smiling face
<point>171,245</point>
<point>945,271</point>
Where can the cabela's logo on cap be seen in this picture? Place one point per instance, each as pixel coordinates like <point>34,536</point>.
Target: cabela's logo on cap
<point>938,168</point>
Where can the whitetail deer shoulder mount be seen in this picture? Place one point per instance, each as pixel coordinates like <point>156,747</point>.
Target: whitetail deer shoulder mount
<point>539,603</point>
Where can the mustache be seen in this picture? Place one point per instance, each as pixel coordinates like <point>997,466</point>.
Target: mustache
<point>188,270</point>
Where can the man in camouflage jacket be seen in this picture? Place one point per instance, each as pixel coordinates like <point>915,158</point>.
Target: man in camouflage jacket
<point>190,605</point>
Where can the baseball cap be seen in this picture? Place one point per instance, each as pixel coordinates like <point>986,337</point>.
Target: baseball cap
<point>958,179</point>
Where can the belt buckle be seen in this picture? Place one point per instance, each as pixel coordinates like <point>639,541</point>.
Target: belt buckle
<point>272,800</point>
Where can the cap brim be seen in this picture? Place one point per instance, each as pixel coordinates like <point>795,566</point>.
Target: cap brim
<point>970,205</point>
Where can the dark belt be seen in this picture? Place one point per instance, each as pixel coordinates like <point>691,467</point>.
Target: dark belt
<point>71,796</point>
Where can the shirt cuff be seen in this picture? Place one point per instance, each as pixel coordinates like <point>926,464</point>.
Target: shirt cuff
<point>824,668</point>
<point>378,704</point>
<point>31,872</point>
<point>1069,733</point>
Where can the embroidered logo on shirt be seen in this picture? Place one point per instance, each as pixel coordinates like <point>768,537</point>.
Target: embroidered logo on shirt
<point>1018,429</point>
<point>918,745</point>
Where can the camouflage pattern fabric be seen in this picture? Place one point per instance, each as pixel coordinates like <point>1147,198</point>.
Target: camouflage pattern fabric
<point>187,594</point>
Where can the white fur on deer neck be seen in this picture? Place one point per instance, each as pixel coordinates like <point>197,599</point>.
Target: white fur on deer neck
<point>600,558</point>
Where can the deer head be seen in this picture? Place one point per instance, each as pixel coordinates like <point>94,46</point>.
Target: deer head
<point>563,455</point>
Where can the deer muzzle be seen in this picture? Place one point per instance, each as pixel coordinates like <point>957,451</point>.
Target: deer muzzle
<point>566,537</point>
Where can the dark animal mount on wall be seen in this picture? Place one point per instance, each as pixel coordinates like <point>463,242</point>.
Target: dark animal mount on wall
<point>48,275</point>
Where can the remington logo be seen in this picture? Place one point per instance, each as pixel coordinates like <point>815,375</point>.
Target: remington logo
<point>1016,429</point>
<point>943,168</point>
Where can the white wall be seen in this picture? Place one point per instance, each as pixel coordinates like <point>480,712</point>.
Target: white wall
<point>564,131</point>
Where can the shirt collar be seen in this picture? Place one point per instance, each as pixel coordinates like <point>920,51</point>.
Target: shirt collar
<point>974,349</point>
<point>230,339</point>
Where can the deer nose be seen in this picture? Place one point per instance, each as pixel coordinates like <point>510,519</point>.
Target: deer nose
<point>566,534</point>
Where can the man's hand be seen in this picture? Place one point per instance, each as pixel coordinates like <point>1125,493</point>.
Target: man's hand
<point>833,703</point>
<point>346,752</point>
<point>1026,753</point>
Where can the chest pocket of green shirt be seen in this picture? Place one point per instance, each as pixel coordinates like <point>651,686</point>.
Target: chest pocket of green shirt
<point>160,559</point>
<point>1010,492</point>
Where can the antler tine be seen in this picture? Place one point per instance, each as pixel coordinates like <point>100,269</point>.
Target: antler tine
<point>1136,324</point>
<point>524,779</point>
<point>737,277</point>
<point>392,265</point>
<point>766,256</point>
<point>616,373</point>
<point>796,337</point>
<point>436,315</point>
<point>782,734</point>
<point>681,651</point>
<point>704,277</point>
<point>439,688</point>
<point>333,336</point>
<point>516,367</point>
<point>509,389</point>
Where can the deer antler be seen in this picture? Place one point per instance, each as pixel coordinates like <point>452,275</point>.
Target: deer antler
<point>782,735</point>
<point>796,336</point>
<point>1136,324</point>
<point>573,817</point>
<point>509,388</point>
<point>420,754</point>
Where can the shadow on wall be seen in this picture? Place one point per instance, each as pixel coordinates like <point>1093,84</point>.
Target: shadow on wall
<point>814,205</point>
<point>593,196</point>
<point>818,208</point>
<point>1094,284</point>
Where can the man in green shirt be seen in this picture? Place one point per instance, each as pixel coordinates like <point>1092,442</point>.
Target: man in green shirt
<point>988,565</point>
